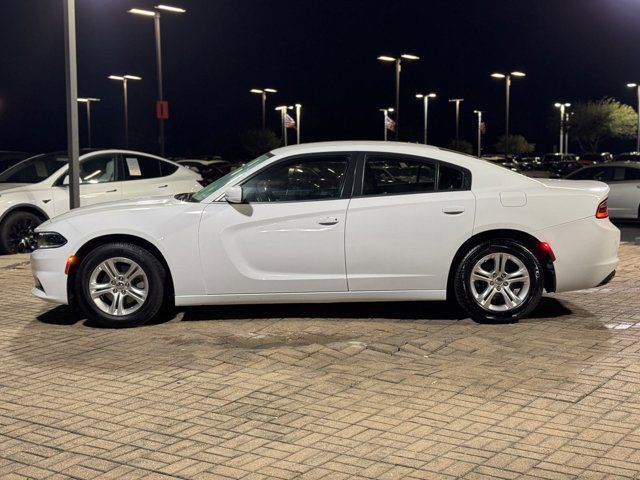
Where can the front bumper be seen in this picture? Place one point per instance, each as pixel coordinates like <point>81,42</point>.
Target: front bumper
<point>586,252</point>
<point>47,267</point>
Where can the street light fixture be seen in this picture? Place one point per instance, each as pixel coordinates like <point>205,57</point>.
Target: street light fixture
<point>263,92</point>
<point>637,87</point>
<point>457,101</point>
<point>398,64</point>
<point>124,79</point>
<point>161,106</point>
<point>479,114</point>
<point>385,112</point>
<point>564,147</point>
<point>425,99</point>
<point>507,77</point>
<point>88,101</point>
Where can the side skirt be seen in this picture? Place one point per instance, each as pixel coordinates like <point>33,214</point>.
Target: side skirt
<point>314,297</point>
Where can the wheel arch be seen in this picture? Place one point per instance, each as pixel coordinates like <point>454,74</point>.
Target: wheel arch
<point>526,239</point>
<point>25,207</point>
<point>103,239</point>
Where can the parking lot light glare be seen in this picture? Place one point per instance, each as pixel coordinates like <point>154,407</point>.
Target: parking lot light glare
<point>132,77</point>
<point>385,58</point>
<point>632,85</point>
<point>518,74</point>
<point>498,75</point>
<point>271,90</point>
<point>255,90</point>
<point>139,11</point>
<point>116,77</point>
<point>408,56</point>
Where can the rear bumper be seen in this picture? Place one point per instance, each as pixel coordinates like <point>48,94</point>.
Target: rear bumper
<point>586,252</point>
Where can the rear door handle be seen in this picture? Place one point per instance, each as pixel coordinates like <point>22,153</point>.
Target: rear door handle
<point>163,186</point>
<point>453,210</point>
<point>328,221</point>
<point>112,191</point>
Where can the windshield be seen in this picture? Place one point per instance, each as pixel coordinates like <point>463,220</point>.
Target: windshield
<point>222,181</point>
<point>34,169</point>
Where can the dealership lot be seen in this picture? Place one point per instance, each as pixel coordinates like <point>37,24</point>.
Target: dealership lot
<point>329,391</point>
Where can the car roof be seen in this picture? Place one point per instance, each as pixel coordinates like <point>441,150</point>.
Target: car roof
<point>632,164</point>
<point>356,145</point>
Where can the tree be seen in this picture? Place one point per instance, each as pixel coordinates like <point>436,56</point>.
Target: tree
<point>595,121</point>
<point>256,142</point>
<point>517,145</point>
<point>463,146</point>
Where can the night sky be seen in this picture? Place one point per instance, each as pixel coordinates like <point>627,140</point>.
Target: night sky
<point>320,53</point>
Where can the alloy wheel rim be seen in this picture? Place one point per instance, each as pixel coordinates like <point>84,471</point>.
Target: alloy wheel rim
<point>22,237</point>
<point>500,282</point>
<point>118,286</point>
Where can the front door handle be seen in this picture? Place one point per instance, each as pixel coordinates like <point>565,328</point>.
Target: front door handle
<point>453,210</point>
<point>112,191</point>
<point>328,221</point>
<point>163,186</point>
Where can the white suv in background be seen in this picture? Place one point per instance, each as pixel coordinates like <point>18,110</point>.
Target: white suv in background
<point>37,189</point>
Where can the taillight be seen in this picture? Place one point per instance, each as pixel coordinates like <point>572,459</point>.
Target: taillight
<point>602,211</point>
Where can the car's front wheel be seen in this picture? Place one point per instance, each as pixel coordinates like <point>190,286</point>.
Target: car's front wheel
<point>499,281</point>
<point>17,232</point>
<point>120,285</point>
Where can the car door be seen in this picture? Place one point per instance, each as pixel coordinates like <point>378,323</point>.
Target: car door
<point>288,234</point>
<point>100,182</point>
<point>408,217</point>
<point>144,176</point>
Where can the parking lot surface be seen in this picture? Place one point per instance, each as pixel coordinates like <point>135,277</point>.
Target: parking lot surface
<point>404,390</point>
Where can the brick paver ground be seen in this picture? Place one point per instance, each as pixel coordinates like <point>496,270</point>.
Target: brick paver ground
<point>348,391</point>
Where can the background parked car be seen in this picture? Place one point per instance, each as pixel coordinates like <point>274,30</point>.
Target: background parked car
<point>9,159</point>
<point>36,189</point>
<point>502,160</point>
<point>587,159</point>
<point>624,180</point>
<point>210,170</point>
<point>628,156</point>
<point>560,164</point>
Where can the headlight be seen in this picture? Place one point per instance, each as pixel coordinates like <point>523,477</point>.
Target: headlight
<point>50,240</point>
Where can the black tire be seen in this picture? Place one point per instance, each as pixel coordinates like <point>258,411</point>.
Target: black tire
<point>156,278</point>
<point>16,232</point>
<point>463,286</point>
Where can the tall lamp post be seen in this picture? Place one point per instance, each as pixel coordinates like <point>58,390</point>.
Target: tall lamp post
<point>385,113</point>
<point>637,87</point>
<point>298,121</point>
<point>88,101</point>
<point>425,100</point>
<point>398,63</point>
<point>457,101</point>
<point>507,78</point>
<point>563,119</point>
<point>156,18</point>
<point>124,79</point>
<point>71,81</point>
<point>479,114</point>
<point>263,93</point>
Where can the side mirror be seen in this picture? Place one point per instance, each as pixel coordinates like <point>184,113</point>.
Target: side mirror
<point>65,181</point>
<point>234,194</point>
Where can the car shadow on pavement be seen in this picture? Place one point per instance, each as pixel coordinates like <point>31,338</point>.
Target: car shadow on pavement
<point>549,308</point>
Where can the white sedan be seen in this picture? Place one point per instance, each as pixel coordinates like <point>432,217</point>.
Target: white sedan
<point>623,179</point>
<point>335,222</point>
<point>36,189</point>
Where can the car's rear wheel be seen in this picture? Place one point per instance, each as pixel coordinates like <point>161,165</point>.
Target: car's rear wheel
<point>120,285</point>
<point>17,232</point>
<point>499,281</point>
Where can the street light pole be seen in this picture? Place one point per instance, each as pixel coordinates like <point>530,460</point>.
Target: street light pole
<point>637,87</point>
<point>479,113</point>
<point>158,42</point>
<point>425,99</point>
<point>263,93</point>
<point>398,67</point>
<point>124,79</point>
<point>562,107</point>
<point>298,120</point>
<point>507,78</point>
<point>71,71</point>
<point>88,102</point>
<point>457,101</point>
